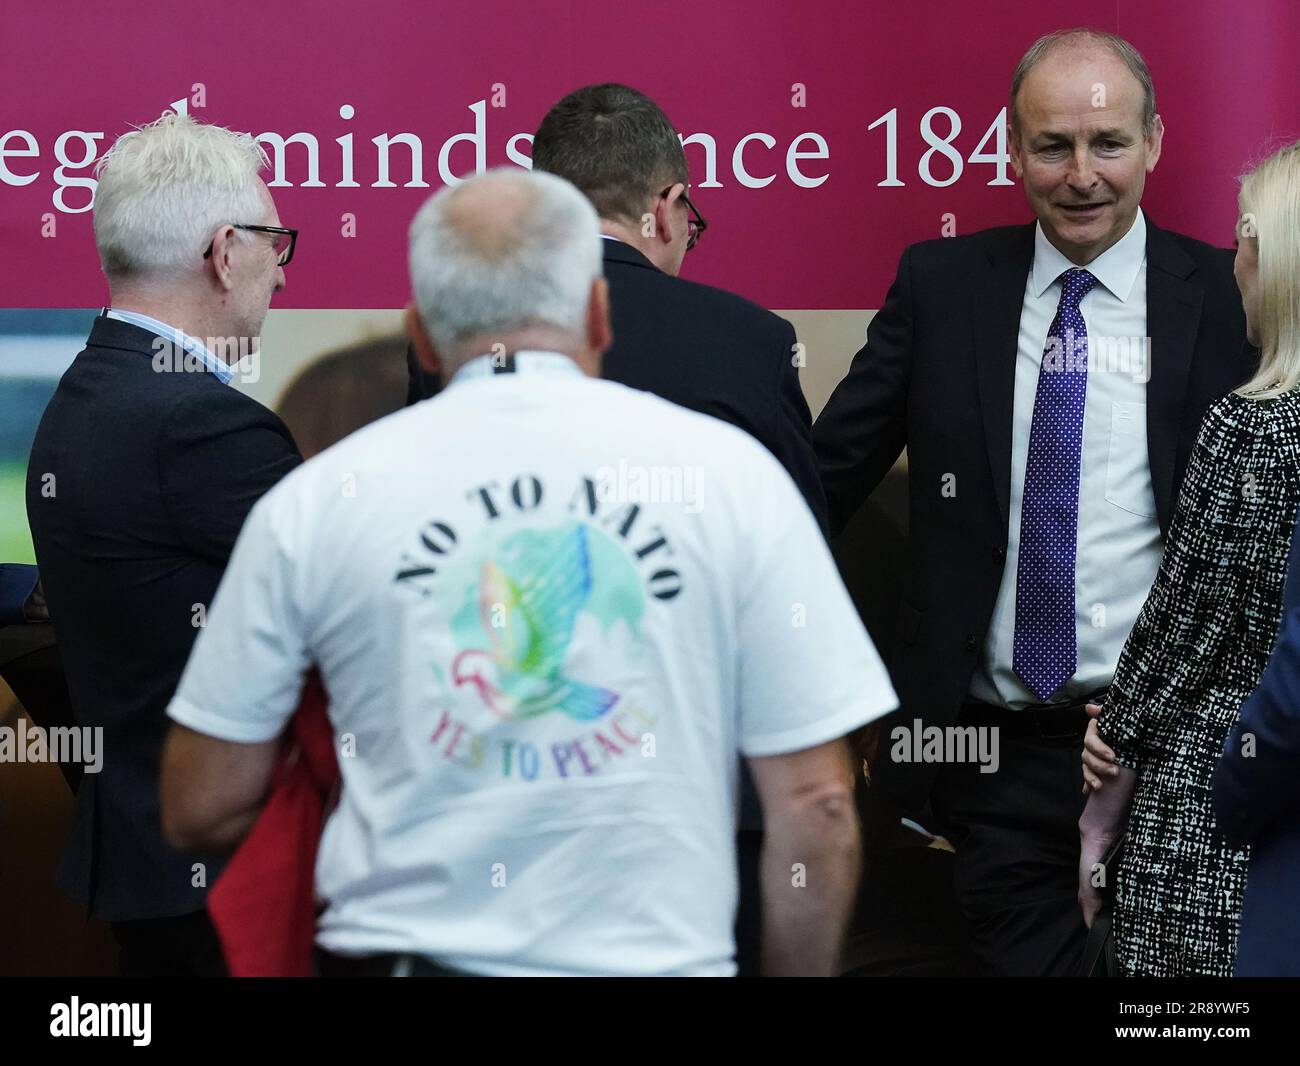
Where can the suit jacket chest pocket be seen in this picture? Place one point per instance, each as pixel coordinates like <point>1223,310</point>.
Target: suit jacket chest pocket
<point>1128,467</point>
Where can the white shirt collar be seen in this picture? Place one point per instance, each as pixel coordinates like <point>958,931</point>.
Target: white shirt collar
<point>529,361</point>
<point>1116,268</point>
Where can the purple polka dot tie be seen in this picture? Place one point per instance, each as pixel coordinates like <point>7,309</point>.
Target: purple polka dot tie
<point>1045,651</point>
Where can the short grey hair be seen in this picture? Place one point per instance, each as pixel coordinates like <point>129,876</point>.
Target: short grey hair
<point>166,187</point>
<point>1119,47</point>
<point>532,263</point>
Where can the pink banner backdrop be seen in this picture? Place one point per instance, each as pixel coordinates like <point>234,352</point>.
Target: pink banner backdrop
<point>824,136</point>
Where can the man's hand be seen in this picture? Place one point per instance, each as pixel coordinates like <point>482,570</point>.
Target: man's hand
<point>1099,765</point>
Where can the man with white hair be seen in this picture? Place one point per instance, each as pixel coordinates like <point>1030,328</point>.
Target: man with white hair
<point>142,472</point>
<point>546,631</point>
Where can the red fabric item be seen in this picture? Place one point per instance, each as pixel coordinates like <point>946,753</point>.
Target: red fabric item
<point>264,903</point>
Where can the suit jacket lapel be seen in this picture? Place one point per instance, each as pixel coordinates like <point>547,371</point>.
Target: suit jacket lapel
<point>998,301</point>
<point>1174,298</point>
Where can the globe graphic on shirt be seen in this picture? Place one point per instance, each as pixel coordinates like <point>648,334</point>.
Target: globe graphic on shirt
<point>522,607</point>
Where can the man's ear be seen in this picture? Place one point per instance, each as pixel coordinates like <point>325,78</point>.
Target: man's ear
<point>424,349</point>
<point>223,247</point>
<point>1154,141</point>
<point>600,333</point>
<point>664,213</point>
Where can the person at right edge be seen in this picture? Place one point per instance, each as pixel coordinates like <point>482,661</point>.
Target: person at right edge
<point>1040,484</point>
<point>1205,633</point>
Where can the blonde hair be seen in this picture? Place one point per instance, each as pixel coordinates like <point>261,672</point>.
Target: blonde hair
<point>1270,207</point>
<point>166,187</point>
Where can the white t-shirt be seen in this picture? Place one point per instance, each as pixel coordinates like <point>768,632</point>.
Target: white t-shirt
<point>549,612</point>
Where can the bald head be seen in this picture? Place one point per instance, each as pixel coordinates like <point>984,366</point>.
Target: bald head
<point>488,214</point>
<point>1121,67</point>
<point>507,254</point>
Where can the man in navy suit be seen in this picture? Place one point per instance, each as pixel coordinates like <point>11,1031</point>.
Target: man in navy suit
<point>1257,797</point>
<point>143,469</point>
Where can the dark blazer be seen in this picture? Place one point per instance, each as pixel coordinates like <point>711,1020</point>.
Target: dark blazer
<point>1257,800</point>
<point>937,375</point>
<point>705,349</point>
<point>137,485</point>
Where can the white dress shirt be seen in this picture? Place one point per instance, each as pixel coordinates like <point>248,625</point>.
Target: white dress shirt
<point>1119,544</point>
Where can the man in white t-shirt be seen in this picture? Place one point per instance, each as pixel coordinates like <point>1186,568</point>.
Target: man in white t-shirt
<point>549,612</point>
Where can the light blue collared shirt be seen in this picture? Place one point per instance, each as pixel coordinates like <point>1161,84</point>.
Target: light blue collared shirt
<point>178,337</point>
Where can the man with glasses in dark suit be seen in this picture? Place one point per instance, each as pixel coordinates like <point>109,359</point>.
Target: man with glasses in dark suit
<point>143,469</point>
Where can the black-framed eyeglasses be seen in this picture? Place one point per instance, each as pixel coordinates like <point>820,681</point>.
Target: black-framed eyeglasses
<point>285,241</point>
<point>695,223</point>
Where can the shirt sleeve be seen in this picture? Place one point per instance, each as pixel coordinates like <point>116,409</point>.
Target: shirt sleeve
<point>1232,487</point>
<point>807,668</point>
<point>244,676</point>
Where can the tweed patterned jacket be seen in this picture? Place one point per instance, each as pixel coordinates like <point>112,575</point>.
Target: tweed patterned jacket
<point>1196,651</point>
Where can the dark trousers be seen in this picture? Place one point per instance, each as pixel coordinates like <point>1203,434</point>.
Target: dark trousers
<point>749,910</point>
<point>906,922</point>
<point>1016,832</point>
<point>183,946</point>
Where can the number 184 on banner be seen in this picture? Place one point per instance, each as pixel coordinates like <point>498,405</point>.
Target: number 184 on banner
<point>943,146</point>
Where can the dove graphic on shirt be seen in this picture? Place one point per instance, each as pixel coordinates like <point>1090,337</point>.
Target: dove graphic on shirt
<point>528,604</point>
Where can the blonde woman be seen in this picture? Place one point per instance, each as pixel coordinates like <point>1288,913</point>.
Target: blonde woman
<point>1205,632</point>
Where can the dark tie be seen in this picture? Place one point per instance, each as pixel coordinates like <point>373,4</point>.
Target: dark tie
<point>1045,651</point>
